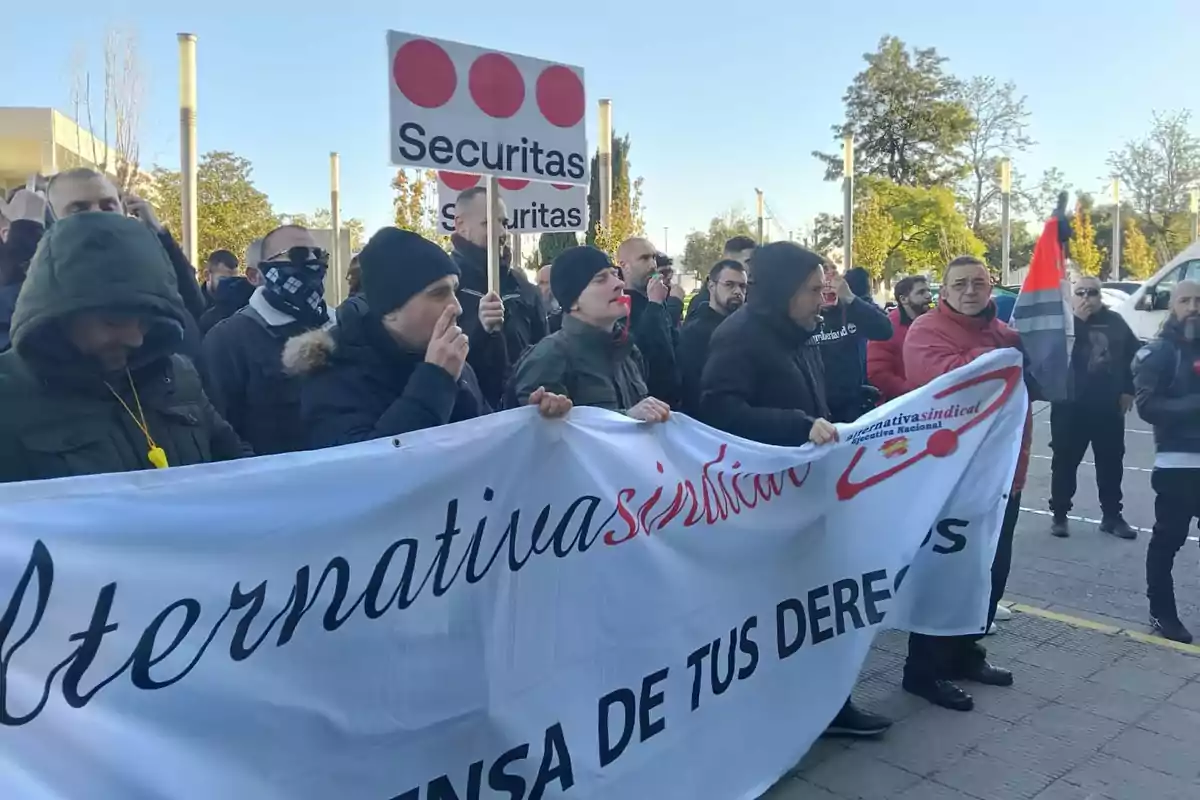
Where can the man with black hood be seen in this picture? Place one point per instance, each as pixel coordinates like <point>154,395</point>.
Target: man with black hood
<point>92,383</point>
<point>243,367</point>
<point>762,382</point>
<point>727,284</point>
<point>500,327</point>
<point>397,361</point>
<point>76,191</point>
<point>848,321</point>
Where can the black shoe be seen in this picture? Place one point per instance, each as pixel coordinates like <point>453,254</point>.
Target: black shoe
<point>1059,528</point>
<point>853,721</point>
<point>1116,525</point>
<point>1170,628</point>
<point>946,694</point>
<point>988,675</point>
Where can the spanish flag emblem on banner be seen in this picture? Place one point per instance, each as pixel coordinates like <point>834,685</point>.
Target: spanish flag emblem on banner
<point>1042,313</point>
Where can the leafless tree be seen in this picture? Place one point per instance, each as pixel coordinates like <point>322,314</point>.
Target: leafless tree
<point>115,147</point>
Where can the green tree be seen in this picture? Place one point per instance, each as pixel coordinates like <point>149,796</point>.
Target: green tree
<point>1088,257</point>
<point>1137,257</point>
<point>1157,172</point>
<point>414,203</point>
<point>626,213</point>
<point>703,249</point>
<point>551,244</point>
<point>1021,245</point>
<point>1000,124</point>
<point>908,229</point>
<point>826,233</point>
<point>322,219</point>
<point>906,117</point>
<point>230,210</point>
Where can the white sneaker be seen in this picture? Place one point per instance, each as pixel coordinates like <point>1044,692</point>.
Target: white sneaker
<point>993,630</point>
<point>1002,614</point>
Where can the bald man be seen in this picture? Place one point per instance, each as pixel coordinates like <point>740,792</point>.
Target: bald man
<point>1166,381</point>
<point>650,322</point>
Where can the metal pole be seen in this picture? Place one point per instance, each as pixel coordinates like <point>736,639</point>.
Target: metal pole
<point>666,241</point>
<point>848,203</point>
<point>1194,204</point>
<point>517,259</point>
<point>1006,222</point>
<point>1116,237</point>
<point>604,162</point>
<point>335,211</point>
<point>494,230</point>
<point>187,143</point>
<point>761,207</point>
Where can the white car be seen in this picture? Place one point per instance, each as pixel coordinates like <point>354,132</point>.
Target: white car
<point>1113,297</point>
<point>1147,308</point>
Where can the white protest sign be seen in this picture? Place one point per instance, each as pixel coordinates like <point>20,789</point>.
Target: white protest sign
<point>510,606</point>
<point>469,109</point>
<point>531,207</point>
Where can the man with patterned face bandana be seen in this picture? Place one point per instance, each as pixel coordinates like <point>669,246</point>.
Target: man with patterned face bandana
<point>243,355</point>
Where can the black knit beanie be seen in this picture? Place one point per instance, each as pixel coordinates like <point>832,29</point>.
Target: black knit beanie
<point>398,265</point>
<point>573,270</point>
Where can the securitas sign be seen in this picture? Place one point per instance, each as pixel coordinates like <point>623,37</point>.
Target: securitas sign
<point>529,206</point>
<point>467,109</point>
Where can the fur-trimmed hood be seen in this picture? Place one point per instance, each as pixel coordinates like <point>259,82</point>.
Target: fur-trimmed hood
<point>309,352</point>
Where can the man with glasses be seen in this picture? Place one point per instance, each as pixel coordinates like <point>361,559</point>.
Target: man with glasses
<point>726,293</point>
<point>959,330</point>
<point>1101,394</point>
<point>243,355</point>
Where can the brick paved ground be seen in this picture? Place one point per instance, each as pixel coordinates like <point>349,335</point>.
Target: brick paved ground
<point>1094,715</point>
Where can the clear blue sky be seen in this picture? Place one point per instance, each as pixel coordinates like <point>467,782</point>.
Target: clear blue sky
<point>718,97</point>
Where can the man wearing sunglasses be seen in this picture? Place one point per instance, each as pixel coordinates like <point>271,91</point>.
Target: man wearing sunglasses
<point>1101,394</point>
<point>243,355</point>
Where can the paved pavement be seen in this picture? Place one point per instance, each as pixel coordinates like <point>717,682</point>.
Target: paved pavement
<point>1100,711</point>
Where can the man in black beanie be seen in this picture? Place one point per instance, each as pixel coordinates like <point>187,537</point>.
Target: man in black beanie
<point>587,360</point>
<point>397,362</point>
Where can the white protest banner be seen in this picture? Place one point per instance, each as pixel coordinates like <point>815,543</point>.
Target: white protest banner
<point>531,207</point>
<point>470,109</point>
<point>507,607</point>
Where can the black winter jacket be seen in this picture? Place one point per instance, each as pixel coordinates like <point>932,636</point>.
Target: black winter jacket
<point>358,385</point>
<point>693,353</point>
<point>761,380</point>
<point>232,296</point>
<point>1102,360</point>
<point>243,373</point>
<point>1166,378</point>
<point>492,357</point>
<point>15,254</point>
<point>845,329</point>
<point>653,331</point>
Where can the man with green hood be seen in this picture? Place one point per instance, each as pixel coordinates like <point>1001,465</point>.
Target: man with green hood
<point>93,383</point>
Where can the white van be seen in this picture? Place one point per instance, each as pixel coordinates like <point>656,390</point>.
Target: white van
<point>1148,307</point>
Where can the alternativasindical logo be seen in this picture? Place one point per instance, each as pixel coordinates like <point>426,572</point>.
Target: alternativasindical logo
<point>941,442</point>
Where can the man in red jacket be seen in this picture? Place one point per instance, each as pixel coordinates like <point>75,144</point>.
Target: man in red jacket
<point>885,360</point>
<point>962,328</point>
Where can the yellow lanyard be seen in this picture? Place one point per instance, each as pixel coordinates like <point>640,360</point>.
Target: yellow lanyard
<point>156,455</point>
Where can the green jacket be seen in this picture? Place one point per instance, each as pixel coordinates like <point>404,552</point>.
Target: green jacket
<point>58,417</point>
<point>586,364</point>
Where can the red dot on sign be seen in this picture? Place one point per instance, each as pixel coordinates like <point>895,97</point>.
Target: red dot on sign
<point>561,186</point>
<point>512,183</point>
<point>497,85</point>
<point>424,73</point>
<point>458,180</point>
<point>942,443</point>
<point>560,96</point>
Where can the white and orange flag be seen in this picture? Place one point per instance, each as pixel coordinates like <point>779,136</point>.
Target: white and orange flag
<point>1043,316</point>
